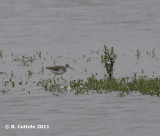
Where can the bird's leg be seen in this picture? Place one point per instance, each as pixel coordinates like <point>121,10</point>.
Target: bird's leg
<point>54,79</point>
<point>63,78</point>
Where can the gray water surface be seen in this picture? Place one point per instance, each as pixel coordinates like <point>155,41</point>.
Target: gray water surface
<point>70,29</point>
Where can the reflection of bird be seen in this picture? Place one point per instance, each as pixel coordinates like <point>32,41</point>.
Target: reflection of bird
<point>59,70</point>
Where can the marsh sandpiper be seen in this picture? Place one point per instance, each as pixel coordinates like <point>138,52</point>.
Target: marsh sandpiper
<point>59,70</point>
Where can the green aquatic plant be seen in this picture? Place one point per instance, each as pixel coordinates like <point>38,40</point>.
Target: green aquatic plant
<point>4,91</point>
<point>26,60</point>
<point>12,74</point>
<point>30,72</point>
<point>52,86</point>
<point>40,54</point>
<point>153,53</point>
<point>92,51</point>
<point>13,84</point>
<point>1,55</point>
<point>98,51</point>
<point>54,62</point>
<point>138,53</point>
<point>20,83</point>
<point>5,83</point>
<point>89,59</point>
<point>142,71</point>
<point>126,85</point>
<point>85,70</point>
<point>42,70</point>
<point>109,59</point>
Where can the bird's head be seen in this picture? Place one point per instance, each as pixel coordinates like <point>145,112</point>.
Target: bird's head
<point>67,66</point>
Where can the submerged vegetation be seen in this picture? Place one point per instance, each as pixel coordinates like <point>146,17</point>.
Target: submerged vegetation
<point>90,85</point>
<point>126,85</point>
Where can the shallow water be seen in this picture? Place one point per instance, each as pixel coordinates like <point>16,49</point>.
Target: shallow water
<point>88,115</point>
<point>67,30</point>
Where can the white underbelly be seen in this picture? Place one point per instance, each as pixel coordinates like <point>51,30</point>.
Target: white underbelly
<point>59,72</point>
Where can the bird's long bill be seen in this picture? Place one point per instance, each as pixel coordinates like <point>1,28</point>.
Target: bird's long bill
<point>72,68</point>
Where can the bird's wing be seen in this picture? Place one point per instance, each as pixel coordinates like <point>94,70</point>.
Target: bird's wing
<point>55,68</point>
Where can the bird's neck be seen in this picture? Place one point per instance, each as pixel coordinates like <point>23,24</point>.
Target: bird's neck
<point>66,68</point>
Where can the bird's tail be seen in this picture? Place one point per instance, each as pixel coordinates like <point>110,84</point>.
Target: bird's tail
<point>47,67</point>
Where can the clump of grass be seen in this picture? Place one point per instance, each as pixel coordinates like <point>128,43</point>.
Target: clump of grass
<point>54,62</point>
<point>20,83</point>
<point>1,55</point>
<point>109,59</point>
<point>98,51</point>
<point>142,71</point>
<point>153,53</point>
<point>26,61</point>
<point>85,70</point>
<point>125,85</point>
<point>52,86</point>
<point>42,70</point>
<point>89,59</point>
<point>142,84</point>
<point>13,84</point>
<point>12,74</point>
<point>5,83</point>
<point>92,51</point>
<point>138,53</point>
<point>40,54</point>
<point>4,91</point>
<point>30,72</point>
